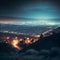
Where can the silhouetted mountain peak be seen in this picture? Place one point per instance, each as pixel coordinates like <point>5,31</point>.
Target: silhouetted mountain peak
<point>48,42</point>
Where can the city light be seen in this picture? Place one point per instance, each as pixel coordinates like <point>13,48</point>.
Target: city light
<point>15,43</point>
<point>7,38</point>
<point>28,41</point>
<point>18,41</point>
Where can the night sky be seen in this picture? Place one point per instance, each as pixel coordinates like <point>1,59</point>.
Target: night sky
<point>41,12</point>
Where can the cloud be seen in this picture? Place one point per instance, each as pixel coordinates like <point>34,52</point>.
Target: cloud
<point>31,52</point>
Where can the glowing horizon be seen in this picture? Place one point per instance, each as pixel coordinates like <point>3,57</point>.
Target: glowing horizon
<point>34,23</point>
